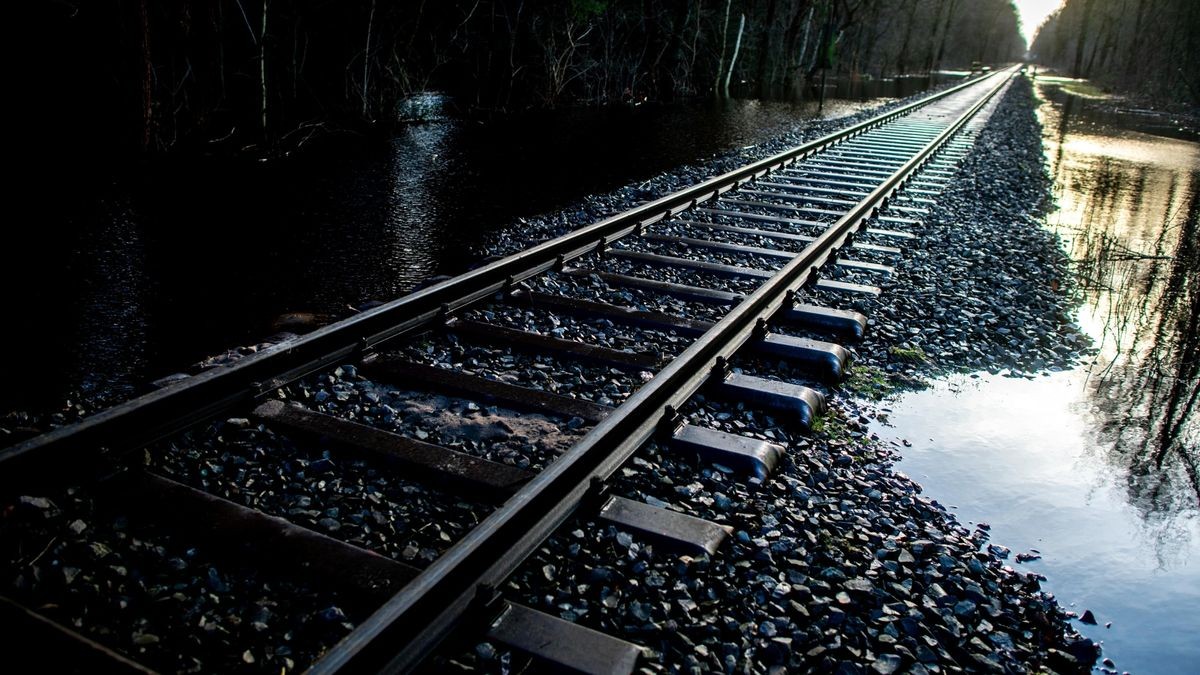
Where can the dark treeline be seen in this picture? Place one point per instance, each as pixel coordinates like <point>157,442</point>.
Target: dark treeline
<point>167,74</point>
<point>1148,47</point>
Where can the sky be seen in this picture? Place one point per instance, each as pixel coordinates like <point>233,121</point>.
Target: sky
<point>1033,12</point>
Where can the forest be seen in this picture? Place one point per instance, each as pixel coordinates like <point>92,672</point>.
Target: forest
<point>1145,47</point>
<point>153,77</point>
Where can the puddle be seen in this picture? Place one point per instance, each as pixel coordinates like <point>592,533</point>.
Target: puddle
<point>1027,457</point>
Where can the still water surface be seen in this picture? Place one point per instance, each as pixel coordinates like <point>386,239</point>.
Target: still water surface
<point>1096,467</point>
<point>120,277</point>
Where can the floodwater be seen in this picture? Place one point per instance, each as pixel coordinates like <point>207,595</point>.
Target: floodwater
<point>122,276</point>
<point>1095,468</point>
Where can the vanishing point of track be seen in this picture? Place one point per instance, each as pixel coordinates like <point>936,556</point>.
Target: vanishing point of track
<point>803,216</point>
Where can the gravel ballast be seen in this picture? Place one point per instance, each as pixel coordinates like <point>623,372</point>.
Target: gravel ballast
<point>157,598</point>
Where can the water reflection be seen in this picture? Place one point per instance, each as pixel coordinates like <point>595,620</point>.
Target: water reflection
<point>1128,210</point>
<point>1021,455</point>
<point>381,224</point>
<point>112,335</point>
<point>419,164</point>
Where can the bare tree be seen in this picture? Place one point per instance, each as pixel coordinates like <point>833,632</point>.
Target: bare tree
<point>909,23</point>
<point>1081,38</point>
<point>366,76</point>
<point>717,88</point>
<point>737,46</point>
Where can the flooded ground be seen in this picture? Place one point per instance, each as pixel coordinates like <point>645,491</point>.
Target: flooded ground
<point>123,276</point>
<point>1095,469</point>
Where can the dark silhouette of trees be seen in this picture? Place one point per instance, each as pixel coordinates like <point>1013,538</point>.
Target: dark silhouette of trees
<point>231,74</point>
<point>1085,22</point>
<point>1148,47</point>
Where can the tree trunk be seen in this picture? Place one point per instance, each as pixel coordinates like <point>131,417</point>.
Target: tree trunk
<point>1104,44</point>
<point>872,39</point>
<point>367,59</point>
<point>941,53</point>
<point>1082,36</point>
<point>737,45</point>
<point>800,61</point>
<point>1136,43</point>
<point>262,68</point>
<point>1190,60</point>
<point>764,51</point>
<point>147,80</point>
<point>724,42</point>
<point>670,58</point>
<point>902,58</point>
<point>933,33</point>
<point>821,45</point>
<point>784,80</point>
<point>679,76</point>
<point>991,32</point>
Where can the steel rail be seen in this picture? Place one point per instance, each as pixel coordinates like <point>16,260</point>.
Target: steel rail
<point>410,625</point>
<point>89,445</point>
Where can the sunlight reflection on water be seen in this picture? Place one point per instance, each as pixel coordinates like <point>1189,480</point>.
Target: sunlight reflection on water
<point>1024,456</point>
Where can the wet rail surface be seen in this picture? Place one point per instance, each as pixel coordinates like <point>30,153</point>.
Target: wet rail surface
<point>590,345</point>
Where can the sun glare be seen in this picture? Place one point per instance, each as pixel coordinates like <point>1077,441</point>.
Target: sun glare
<point>1033,13</point>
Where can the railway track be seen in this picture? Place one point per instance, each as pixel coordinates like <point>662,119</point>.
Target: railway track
<point>382,477</point>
